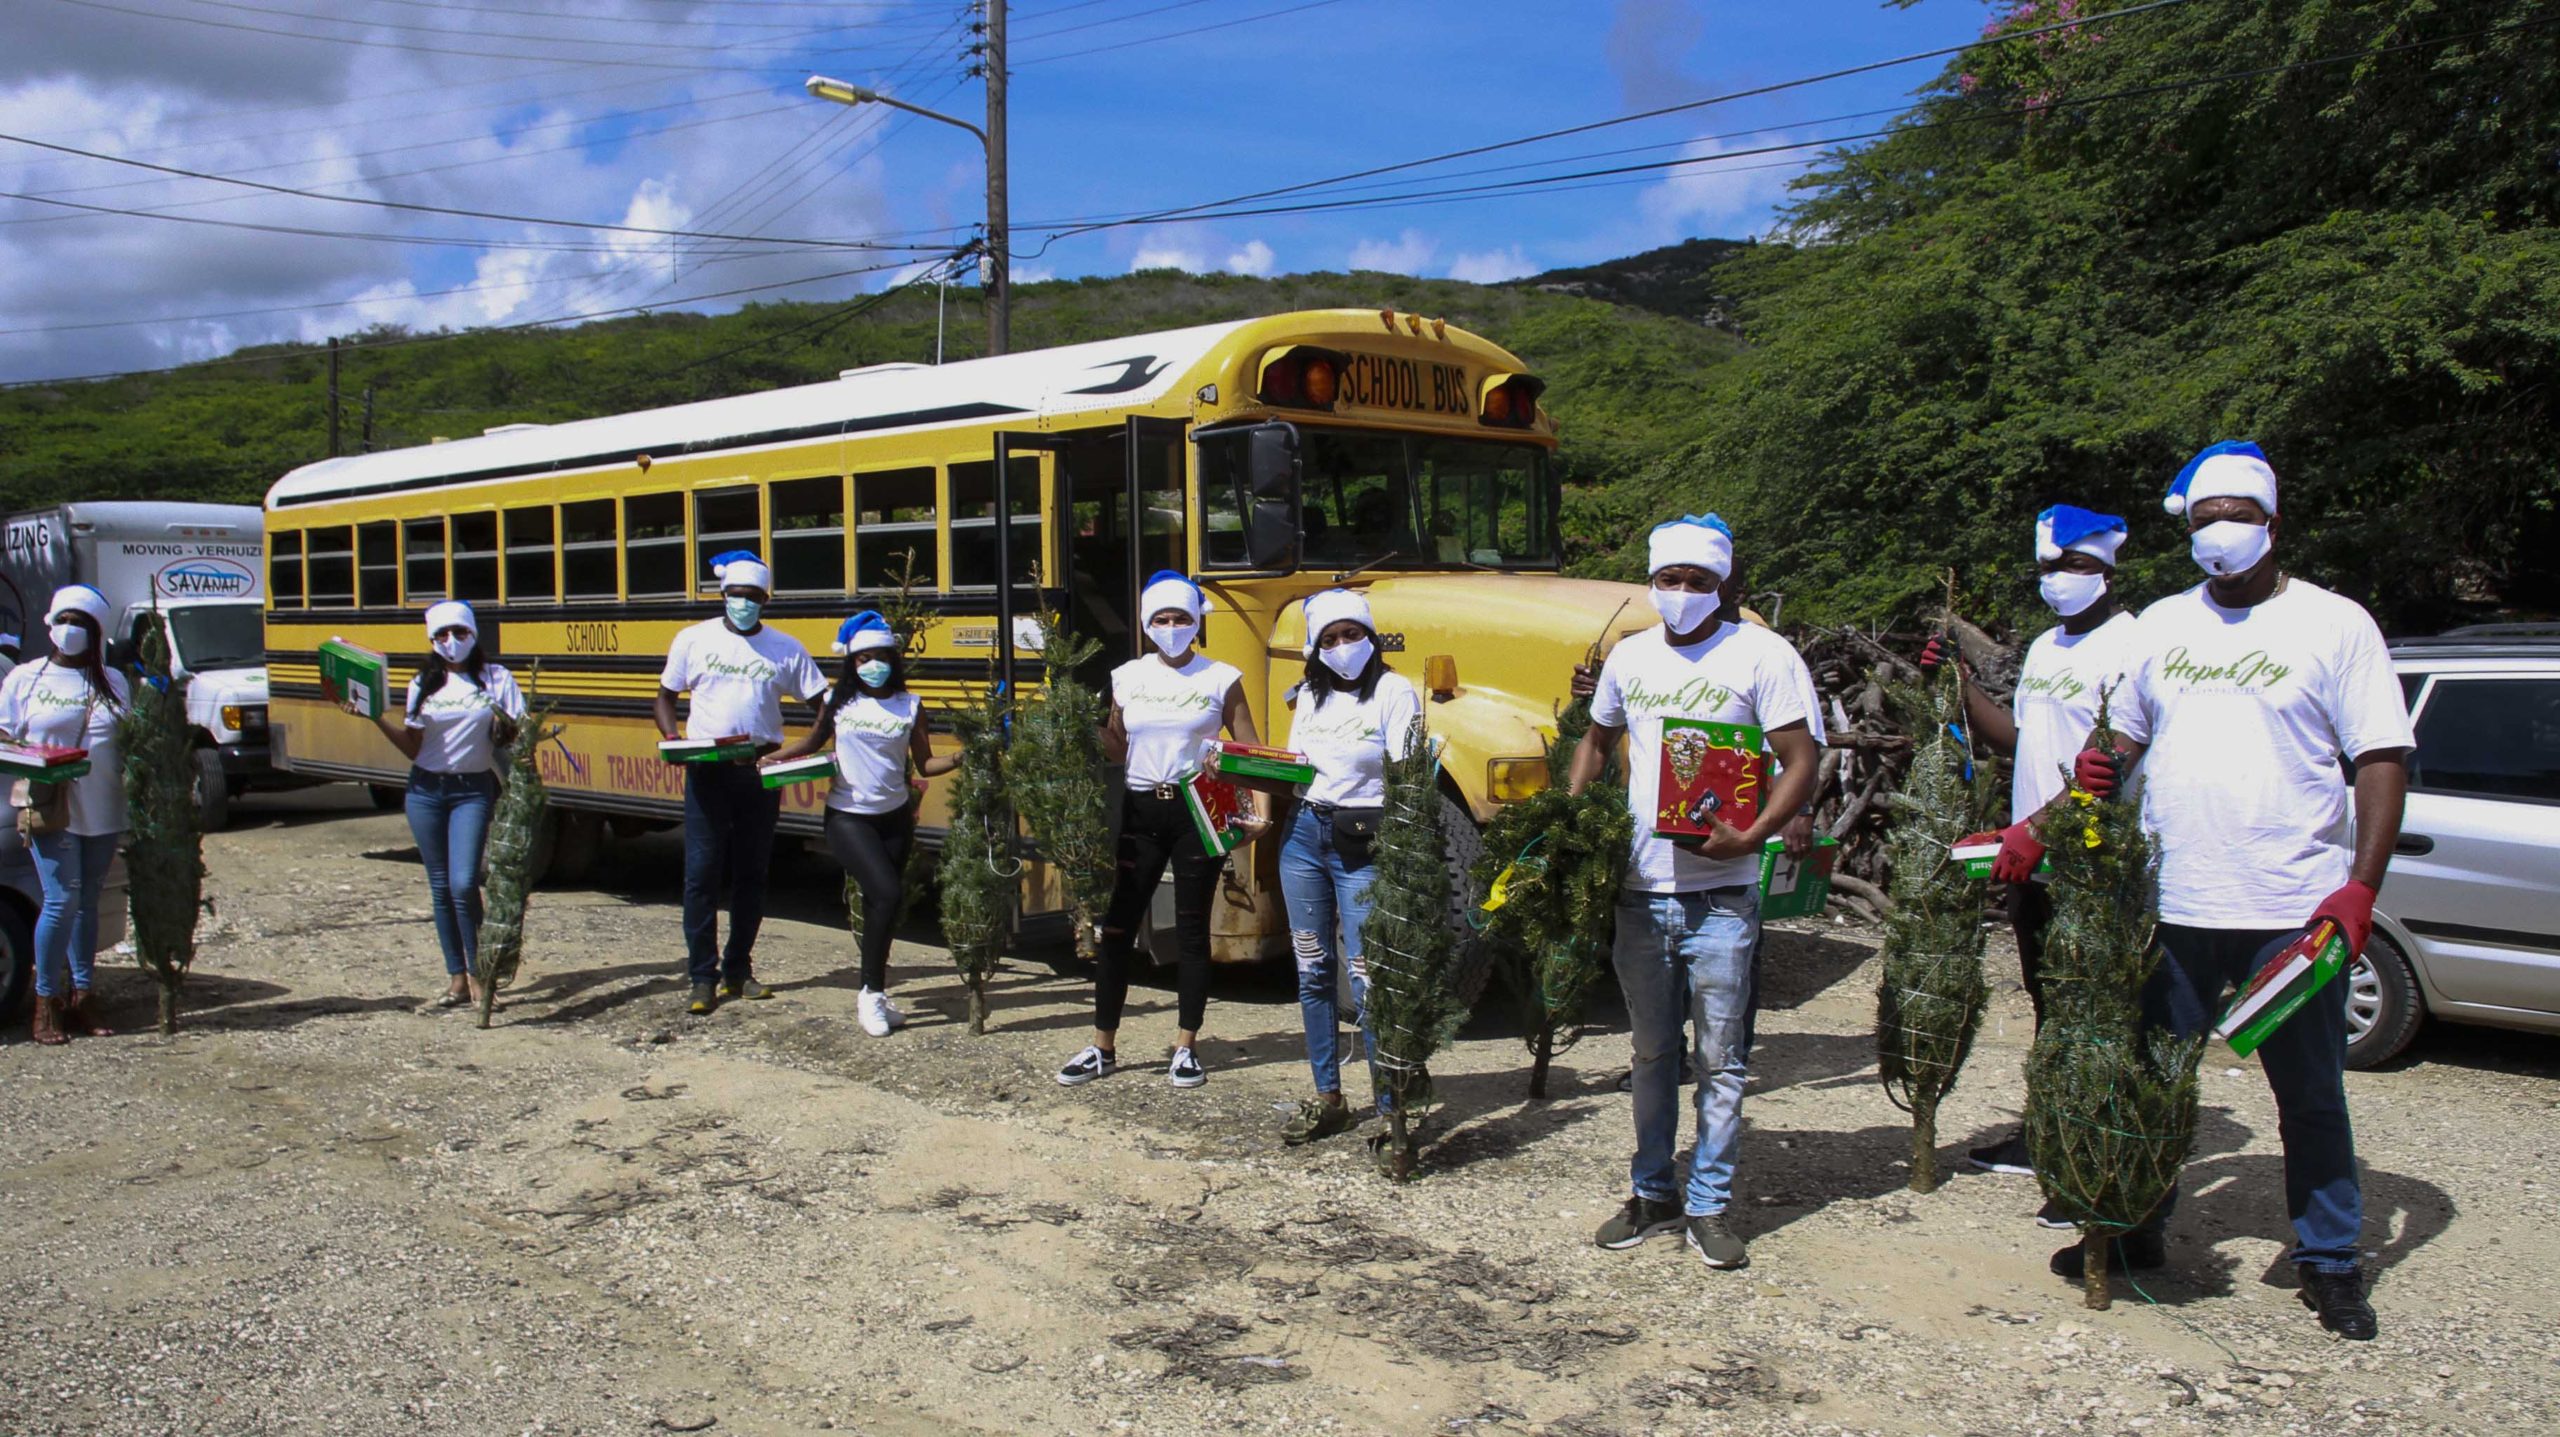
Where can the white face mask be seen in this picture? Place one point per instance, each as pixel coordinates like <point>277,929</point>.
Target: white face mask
<point>874,672</point>
<point>1171,638</point>
<point>1348,659</point>
<point>70,640</point>
<point>2067,593</point>
<point>2228,546</point>
<point>1681,610</point>
<point>452,651</point>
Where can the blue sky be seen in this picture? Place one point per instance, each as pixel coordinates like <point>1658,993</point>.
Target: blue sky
<point>687,115</point>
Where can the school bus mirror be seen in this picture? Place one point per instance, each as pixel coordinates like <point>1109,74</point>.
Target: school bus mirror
<point>1271,480</point>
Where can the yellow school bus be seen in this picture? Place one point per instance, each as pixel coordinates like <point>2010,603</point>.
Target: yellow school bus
<point>1270,457</point>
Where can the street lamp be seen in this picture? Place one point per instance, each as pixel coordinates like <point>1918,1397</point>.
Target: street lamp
<point>999,284</point>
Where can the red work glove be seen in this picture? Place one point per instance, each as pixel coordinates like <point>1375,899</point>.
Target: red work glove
<point>1933,654</point>
<point>2351,908</point>
<point>2020,852</point>
<point>2095,771</point>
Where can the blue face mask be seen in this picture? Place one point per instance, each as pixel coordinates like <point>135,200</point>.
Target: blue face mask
<point>744,613</point>
<point>874,672</point>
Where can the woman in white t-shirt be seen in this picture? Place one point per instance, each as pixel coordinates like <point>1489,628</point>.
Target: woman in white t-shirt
<point>1164,708</point>
<point>461,710</point>
<point>70,699</point>
<point>873,720</point>
<point>1352,713</point>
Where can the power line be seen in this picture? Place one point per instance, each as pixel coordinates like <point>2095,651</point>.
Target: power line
<point>480,34</point>
<point>410,208</point>
<point>1178,34</point>
<point>1119,19</point>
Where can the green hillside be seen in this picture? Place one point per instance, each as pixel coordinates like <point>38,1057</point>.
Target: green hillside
<point>1623,382</point>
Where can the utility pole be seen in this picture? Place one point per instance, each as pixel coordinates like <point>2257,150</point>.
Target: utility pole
<point>999,257</point>
<point>333,396</point>
<point>368,419</point>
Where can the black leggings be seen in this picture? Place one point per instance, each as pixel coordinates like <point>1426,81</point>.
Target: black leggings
<point>1153,832</point>
<point>873,849</point>
<point>2030,911</point>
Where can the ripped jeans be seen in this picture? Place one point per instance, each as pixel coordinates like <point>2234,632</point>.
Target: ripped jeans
<point>1322,894</point>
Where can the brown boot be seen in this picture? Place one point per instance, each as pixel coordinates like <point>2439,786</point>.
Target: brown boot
<point>49,1021</point>
<point>76,1021</point>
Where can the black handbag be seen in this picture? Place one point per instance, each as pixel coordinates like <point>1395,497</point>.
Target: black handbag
<point>1355,834</point>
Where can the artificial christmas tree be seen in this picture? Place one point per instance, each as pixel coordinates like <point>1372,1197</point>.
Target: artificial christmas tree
<point>1054,772</point>
<point>515,829</point>
<point>2111,1106</point>
<point>1408,944</point>
<point>164,849</point>
<point>978,868</point>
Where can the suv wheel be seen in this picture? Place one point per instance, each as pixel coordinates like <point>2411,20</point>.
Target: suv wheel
<point>2383,1008</point>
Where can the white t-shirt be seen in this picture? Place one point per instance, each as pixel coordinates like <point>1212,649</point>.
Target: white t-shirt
<point>1169,713</point>
<point>2247,712</point>
<point>738,680</point>
<point>49,703</point>
<point>1740,673</point>
<point>873,735</point>
<point>455,721</point>
<point>2057,703</point>
<point>1349,741</point>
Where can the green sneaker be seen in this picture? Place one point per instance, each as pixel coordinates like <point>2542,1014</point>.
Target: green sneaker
<point>1316,1121</point>
<point>1713,1240</point>
<point>746,990</point>
<point>705,998</point>
<point>1641,1218</point>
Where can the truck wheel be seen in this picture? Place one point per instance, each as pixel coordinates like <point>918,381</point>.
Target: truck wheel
<point>17,959</point>
<point>213,791</point>
<point>577,840</point>
<point>1472,964</point>
<point>387,798</point>
<point>2383,1006</point>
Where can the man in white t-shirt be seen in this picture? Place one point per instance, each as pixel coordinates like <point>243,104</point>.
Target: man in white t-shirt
<point>1692,906</point>
<point>2048,721</point>
<point>737,670</point>
<point>2254,694</point>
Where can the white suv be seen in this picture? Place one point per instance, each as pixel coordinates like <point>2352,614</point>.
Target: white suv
<point>2468,928</point>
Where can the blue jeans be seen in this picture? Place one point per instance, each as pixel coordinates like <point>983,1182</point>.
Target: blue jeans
<point>2306,1064</point>
<point>71,868</point>
<point>728,828</point>
<point>449,816</point>
<point>1706,937</point>
<point>1322,891</point>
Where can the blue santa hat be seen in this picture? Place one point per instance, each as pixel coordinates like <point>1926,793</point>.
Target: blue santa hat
<point>2232,469</point>
<point>2068,527</point>
<point>1168,589</point>
<point>1701,539</point>
<point>741,567</point>
<point>865,630</point>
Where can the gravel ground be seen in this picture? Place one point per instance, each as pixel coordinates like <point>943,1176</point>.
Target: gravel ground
<point>325,1207</point>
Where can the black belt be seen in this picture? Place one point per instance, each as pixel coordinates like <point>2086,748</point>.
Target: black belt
<point>1161,792</point>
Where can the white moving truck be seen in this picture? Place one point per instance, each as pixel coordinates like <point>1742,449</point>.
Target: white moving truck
<point>203,567</point>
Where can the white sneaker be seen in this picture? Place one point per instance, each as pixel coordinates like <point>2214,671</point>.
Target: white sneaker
<point>1186,1071</point>
<point>874,1013</point>
<point>897,1015</point>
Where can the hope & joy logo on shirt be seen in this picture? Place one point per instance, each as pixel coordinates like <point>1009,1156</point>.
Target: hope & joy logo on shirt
<point>1694,696</point>
<point>2062,684</point>
<point>2252,672</point>
<point>754,671</point>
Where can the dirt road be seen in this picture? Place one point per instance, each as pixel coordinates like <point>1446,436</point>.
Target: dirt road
<point>326,1208</point>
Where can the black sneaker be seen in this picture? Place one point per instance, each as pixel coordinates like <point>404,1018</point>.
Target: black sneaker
<point>1185,1070</point>
<point>1086,1066</point>
<point>2051,1216</point>
<point>1713,1240</point>
<point>2009,1155</point>
<point>705,998</point>
<point>1641,1218</point>
<point>2138,1251</point>
<point>745,989</point>
<point>1316,1121</point>
<point>2339,1299</point>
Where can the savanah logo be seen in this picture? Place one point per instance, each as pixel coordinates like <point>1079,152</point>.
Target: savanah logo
<point>2249,673</point>
<point>204,578</point>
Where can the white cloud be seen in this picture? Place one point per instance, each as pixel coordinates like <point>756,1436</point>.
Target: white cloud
<point>1735,201</point>
<point>1255,259</point>
<point>1407,253</point>
<point>1169,254</point>
<point>1491,266</point>
<point>1033,274</point>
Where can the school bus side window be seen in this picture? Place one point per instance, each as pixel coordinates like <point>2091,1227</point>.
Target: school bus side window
<point>333,568</point>
<point>475,556</point>
<point>378,565</point>
<point>529,555</point>
<point>424,541</point>
<point>893,517</point>
<point>588,544</point>
<point>653,556</point>
<point>808,536</point>
<point>724,519</point>
<point>284,569</point>
<point>973,523</point>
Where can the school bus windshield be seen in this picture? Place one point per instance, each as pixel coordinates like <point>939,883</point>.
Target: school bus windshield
<point>1409,501</point>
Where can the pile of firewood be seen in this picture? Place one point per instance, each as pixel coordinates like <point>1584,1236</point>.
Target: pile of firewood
<point>1868,750</point>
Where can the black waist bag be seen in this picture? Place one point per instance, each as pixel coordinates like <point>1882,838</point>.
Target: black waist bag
<point>1355,834</point>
